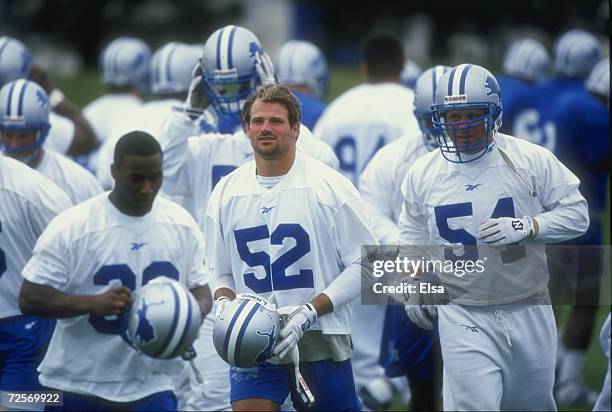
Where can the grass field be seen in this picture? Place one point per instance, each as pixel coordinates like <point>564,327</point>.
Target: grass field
<point>85,87</point>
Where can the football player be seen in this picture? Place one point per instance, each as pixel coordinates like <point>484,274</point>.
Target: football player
<point>281,214</point>
<point>124,64</point>
<point>171,68</point>
<point>301,66</point>
<point>71,132</point>
<point>495,201</point>
<point>29,202</point>
<point>86,265</point>
<point>380,184</point>
<point>24,127</point>
<point>525,65</point>
<point>194,161</point>
<point>363,119</point>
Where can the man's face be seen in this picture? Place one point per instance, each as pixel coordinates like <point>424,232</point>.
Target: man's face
<point>17,142</point>
<point>269,130</point>
<point>467,129</point>
<point>137,181</point>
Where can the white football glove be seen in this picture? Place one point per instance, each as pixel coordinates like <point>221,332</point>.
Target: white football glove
<point>221,303</point>
<point>505,230</point>
<point>420,314</point>
<point>265,68</point>
<point>197,100</point>
<point>300,321</point>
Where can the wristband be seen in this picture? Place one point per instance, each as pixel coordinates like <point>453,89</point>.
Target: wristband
<point>55,98</point>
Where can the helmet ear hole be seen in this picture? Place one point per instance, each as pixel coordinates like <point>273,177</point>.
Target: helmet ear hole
<point>247,331</point>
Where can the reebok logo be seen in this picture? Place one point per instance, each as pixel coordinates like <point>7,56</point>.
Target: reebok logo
<point>266,210</point>
<point>137,246</point>
<point>469,188</point>
<point>470,328</point>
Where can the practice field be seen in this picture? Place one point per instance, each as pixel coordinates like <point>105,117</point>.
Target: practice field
<point>86,86</point>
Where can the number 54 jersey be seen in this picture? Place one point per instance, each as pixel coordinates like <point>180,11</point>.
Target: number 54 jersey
<point>91,248</point>
<point>287,243</point>
<point>445,203</point>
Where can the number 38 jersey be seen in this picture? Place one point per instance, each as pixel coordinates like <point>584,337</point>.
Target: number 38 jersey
<point>89,249</point>
<point>287,243</point>
<point>445,203</point>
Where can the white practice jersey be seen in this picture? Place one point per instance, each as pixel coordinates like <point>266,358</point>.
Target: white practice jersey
<point>78,183</point>
<point>28,203</point>
<point>362,120</point>
<point>103,112</point>
<point>381,182</point>
<point>194,165</point>
<point>149,118</point>
<point>90,249</point>
<point>445,203</point>
<point>61,133</point>
<point>287,243</point>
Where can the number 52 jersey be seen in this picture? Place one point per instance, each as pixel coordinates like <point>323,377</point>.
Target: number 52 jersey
<point>287,243</point>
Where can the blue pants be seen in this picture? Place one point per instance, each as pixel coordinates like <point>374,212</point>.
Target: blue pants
<point>161,401</point>
<point>23,343</point>
<point>330,382</point>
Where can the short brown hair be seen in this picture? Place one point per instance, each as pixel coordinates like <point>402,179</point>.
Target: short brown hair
<point>273,93</point>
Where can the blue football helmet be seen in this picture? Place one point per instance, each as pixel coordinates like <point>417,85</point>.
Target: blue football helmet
<point>125,61</point>
<point>171,67</point>
<point>473,88</point>
<point>229,68</point>
<point>598,81</point>
<point>410,73</point>
<point>15,60</point>
<point>163,320</point>
<point>246,331</point>
<point>576,53</point>
<point>300,62</point>
<point>527,59</point>
<point>24,107</point>
<point>424,95</point>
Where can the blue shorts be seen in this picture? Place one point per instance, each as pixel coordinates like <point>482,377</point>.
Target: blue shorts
<point>406,349</point>
<point>23,343</point>
<point>161,401</point>
<point>331,384</point>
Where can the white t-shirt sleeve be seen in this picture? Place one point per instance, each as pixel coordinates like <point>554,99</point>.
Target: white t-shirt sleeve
<point>198,275</point>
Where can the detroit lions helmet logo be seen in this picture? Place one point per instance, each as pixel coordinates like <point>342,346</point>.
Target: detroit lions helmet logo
<point>492,87</point>
<point>254,48</point>
<point>267,352</point>
<point>41,98</point>
<point>145,332</point>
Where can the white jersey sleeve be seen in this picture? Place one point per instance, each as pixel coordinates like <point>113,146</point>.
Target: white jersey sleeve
<point>29,202</point>
<point>312,146</point>
<point>61,133</point>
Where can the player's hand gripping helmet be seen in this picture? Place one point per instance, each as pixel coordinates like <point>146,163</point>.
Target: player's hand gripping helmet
<point>424,95</point>
<point>527,59</point>
<point>246,331</point>
<point>576,53</point>
<point>15,60</point>
<point>163,320</point>
<point>466,113</point>
<point>24,107</point>
<point>171,67</point>
<point>229,68</point>
<point>301,62</point>
<point>125,61</point>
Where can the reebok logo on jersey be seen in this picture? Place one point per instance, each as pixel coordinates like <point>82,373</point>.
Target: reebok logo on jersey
<point>517,225</point>
<point>30,325</point>
<point>469,188</point>
<point>266,210</point>
<point>137,246</point>
<point>470,328</point>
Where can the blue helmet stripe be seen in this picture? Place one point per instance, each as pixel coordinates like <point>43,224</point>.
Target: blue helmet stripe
<point>20,104</point>
<point>177,309</point>
<point>463,77</point>
<point>434,75</point>
<point>3,45</point>
<point>228,333</point>
<point>219,49</point>
<point>187,324</point>
<point>10,99</point>
<point>243,330</point>
<point>230,51</point>
<point>450,81</point>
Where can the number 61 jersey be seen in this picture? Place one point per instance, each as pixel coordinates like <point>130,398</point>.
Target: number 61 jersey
<point>445,203</point>
<point>91,248</point>
<point>289,242</point>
